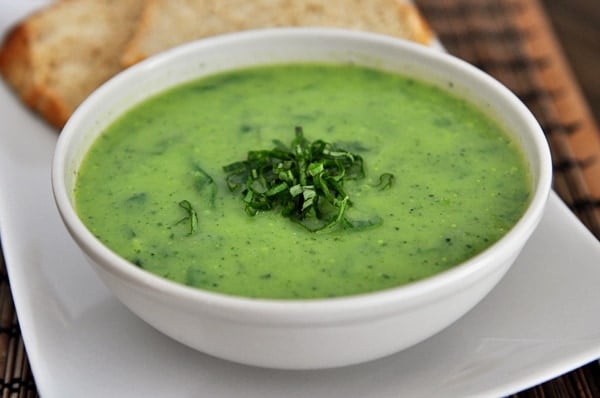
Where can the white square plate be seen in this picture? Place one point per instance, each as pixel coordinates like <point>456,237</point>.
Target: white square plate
<point>539,322</point>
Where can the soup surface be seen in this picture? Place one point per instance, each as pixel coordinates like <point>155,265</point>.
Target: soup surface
<point>459,184</point>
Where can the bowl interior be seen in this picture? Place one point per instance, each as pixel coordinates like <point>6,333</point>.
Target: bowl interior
<point>226,52</point>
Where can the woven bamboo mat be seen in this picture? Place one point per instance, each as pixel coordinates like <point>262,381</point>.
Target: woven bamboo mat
<point>511,40</point>
<point>16,379</point>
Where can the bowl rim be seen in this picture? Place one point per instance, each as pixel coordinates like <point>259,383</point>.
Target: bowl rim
<point>410,294</point>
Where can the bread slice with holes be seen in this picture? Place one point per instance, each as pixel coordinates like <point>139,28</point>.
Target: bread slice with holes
<point>166,23</point>
<point>57,56</point>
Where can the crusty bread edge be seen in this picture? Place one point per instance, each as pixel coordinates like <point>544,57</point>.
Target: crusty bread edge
<point>131,57</point>
<point>418,29</point>
<point>17,67</point>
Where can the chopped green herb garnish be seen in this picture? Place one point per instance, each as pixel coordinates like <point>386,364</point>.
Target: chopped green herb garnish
<point>205,185</point>
<point>191,217</point>
<point>386,180</point>
<point>304,181</point>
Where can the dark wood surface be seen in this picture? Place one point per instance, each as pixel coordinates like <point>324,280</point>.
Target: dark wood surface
<point>576,24</point>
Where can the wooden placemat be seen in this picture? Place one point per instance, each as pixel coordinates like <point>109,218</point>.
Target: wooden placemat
<point>511,40</point>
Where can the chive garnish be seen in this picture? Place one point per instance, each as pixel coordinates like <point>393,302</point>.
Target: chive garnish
<point>385,181</point>
<point>205,185</point>
<point>191,217</point>
<point>304,181</point>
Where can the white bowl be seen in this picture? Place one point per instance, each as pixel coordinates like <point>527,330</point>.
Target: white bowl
<point>301,334</point>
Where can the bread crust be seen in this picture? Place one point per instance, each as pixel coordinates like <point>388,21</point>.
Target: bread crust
<point>419,29</point>
<point>17,67</point>
<point>154,32</point>
<point>58,55</point>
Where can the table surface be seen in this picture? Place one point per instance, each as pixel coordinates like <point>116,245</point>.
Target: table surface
<point>547,52</point>
<point>576,24</point>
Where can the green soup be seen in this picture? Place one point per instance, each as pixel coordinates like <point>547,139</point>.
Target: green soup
<point>460,182</point>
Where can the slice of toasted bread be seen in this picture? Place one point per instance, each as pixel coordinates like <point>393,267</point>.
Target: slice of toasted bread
<point>56,57</point>
<point>59,55</point>
<point>166,23</point>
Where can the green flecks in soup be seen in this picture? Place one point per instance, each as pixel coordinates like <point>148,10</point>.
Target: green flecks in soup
<point>153,187</point>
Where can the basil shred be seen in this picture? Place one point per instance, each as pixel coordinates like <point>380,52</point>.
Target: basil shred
<point>304,181</point>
